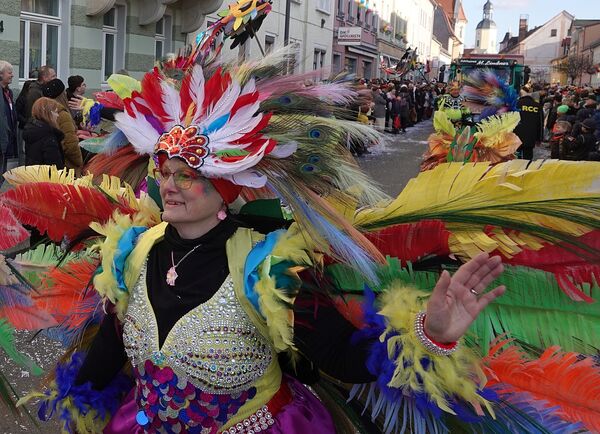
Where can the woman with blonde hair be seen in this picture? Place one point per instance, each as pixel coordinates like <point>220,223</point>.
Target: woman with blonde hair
<point>55,89</point>
<point>42,136</point>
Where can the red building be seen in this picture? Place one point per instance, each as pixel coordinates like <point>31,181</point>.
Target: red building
<point>355,39</point>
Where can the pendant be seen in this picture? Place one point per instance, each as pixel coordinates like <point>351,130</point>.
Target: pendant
<point>171,276</point>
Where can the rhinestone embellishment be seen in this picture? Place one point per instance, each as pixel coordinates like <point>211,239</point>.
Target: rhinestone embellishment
<point>215,346</point>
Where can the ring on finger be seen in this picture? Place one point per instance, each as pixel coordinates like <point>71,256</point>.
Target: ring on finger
<point>475,293</point>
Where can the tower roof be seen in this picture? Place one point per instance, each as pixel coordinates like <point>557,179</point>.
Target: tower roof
<point>486,24</point>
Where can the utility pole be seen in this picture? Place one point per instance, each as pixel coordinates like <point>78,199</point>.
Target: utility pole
<point>286,29</point>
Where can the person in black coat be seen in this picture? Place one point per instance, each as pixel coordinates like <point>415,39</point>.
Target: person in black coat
<point>530,129</point>
<point>581,146</point>
<point>42,136</point>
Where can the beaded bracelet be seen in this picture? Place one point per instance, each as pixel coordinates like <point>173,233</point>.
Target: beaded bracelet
<point>430,345</point>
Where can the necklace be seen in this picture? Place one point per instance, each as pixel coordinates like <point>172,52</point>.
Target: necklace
<point>172,274</point>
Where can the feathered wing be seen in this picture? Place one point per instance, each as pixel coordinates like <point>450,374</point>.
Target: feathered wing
<point>546,230</point>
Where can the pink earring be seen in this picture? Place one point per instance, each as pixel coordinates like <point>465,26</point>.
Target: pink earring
<point>222,215</point>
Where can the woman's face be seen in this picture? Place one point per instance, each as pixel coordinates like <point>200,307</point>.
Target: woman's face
<point>186,209</point>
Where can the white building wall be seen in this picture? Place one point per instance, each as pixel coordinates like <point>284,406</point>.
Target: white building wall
<point>488,39</point>
<point>541,47</point>
<point>419,15</point>
<point>311,27</point>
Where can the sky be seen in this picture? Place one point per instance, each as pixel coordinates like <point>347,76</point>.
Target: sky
<point>506,13</point>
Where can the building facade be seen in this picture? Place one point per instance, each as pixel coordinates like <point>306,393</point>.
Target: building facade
<point>584,41</point>
<point>486,33</point>
<point>539,46</point>
<point>95,38</point>
<point>457,22</point>
<point>355,39</point>
<point>311,26</point>
<point>391,35</point>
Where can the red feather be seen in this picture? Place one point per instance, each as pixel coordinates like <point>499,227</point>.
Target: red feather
<point>109,100</point>
<point>65,295</point>
<point>152,95</point>
<point>412,241</point>
<point>12,232</point>
<point>27,317</point>
<point>571,267</point>
<point>244,100</point>
<point>214,88</point>
<point>570,381</point>
<point>60,209</point>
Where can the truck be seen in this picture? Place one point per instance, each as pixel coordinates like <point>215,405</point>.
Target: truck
<point>509,68</point>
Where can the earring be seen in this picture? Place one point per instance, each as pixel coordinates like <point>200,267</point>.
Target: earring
<point>222,215</point>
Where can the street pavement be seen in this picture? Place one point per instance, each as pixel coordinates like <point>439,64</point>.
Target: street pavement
<point>392,163</point>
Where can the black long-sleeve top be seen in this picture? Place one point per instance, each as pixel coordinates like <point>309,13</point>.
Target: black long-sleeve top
<point>322,336</point>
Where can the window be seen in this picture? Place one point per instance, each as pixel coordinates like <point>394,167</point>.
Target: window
<point>42,7</point>
<point>319,58</point>
<point>367,19</point>
<point>358,13</point>
<point>340,7</point>
<point>269,43</point>
<point>163,38</point>
<point>337,62</point>
<point>350,2</point>
<point>40,32</point>
<point>113,42</point>
<point>553,33</point>
<point>159,40</point>
<point>477,44</point>
<point>324,6</point>
<point>350,65</point>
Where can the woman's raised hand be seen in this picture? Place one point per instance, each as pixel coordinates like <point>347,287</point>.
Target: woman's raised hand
<point>457,300</point>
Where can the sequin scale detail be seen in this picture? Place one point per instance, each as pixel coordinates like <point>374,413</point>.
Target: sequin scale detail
<point>169,404</point>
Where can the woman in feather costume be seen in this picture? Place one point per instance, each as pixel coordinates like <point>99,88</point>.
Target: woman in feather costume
<point>202,306</point>
<point>490,139</point>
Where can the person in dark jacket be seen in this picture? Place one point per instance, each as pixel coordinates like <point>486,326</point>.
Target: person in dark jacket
<point>530,129</point>
<point>582,146</point>
<point>42,136</point>
<point>8,118</point>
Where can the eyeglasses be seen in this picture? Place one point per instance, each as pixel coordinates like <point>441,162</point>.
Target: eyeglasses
<point>183,179</point>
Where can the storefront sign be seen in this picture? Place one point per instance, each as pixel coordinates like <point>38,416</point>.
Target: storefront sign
<point>349,35</point>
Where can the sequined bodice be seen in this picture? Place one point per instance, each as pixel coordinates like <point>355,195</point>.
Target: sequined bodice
<point>215,346</point>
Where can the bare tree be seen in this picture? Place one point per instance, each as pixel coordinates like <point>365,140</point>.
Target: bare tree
<point>574,66</point>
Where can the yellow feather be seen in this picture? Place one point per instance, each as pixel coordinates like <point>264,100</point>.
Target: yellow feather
<point>461,187</point>
<point>123,85</point>
<point>442,123</point>
<point>26,174</point>
<point>459,374</point>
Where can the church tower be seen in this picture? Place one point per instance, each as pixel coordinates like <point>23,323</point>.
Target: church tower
<point>486,33</point>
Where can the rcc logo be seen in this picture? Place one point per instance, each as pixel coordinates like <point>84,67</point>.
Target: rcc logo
<point>529,108</point>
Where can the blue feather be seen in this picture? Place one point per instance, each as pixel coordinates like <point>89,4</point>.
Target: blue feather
<point>217,124</point>
<point>114,141</point>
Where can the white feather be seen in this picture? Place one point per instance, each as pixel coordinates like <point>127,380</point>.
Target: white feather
<point>171,104</point>
<point>248,178</point>
<point>140,133</point>
<point>196,91</point>
<point>284,150</point>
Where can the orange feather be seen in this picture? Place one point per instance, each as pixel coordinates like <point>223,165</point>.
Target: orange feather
<point>570,381</point>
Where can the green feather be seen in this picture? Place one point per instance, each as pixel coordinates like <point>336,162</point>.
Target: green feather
<point>7,343</point>
<point>231,153</point>
<point>534,310</point>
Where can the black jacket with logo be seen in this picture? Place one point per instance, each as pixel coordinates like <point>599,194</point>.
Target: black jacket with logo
<point>530,128</point>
